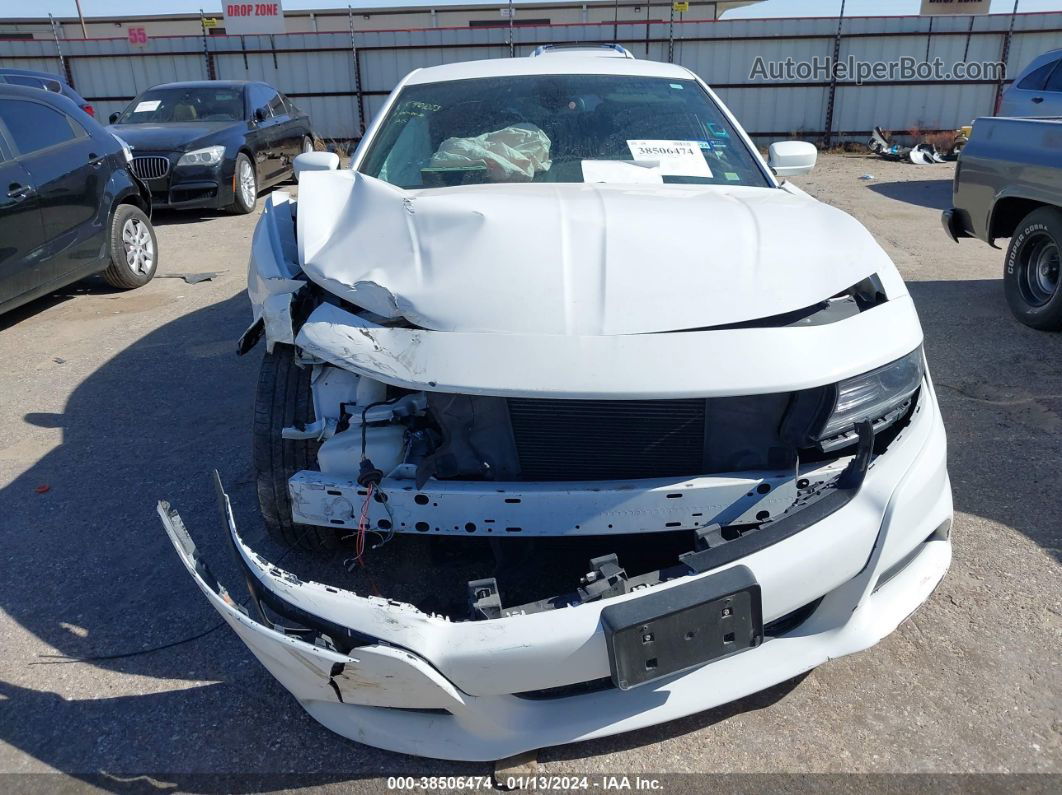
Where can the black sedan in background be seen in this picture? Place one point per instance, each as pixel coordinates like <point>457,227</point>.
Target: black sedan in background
<point>213,143</point>
<point>44,80</point>
<point>69,203</point>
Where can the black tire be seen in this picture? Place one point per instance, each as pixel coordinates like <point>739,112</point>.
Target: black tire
<point>1031,274</point>
<point>240,204</point>
<point>132,248</point>
<point>283,398</point>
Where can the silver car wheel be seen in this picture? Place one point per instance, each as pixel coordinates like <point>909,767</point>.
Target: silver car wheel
<point>307,145</point>
<point>139,247</point>
<point>248,189</point>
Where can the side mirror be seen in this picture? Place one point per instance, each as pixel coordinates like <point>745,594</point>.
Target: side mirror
<point>114,118</point>
<point>791,158</point>
<point>315,161</point>
<point>259,114</point>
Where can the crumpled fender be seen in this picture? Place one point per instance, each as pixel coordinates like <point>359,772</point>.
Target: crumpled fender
<point>271,272</point>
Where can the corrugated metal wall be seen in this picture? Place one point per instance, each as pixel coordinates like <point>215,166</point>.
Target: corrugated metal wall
<point>320,71</point>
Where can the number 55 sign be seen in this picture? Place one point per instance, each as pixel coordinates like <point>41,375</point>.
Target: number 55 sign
<point>137,37</point>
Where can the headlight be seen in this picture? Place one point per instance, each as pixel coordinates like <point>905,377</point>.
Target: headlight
<point>209,156</point>
<point>126,149</point>
<point>873,396</point>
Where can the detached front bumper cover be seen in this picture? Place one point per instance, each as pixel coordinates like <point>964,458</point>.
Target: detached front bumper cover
<point>384,673</point>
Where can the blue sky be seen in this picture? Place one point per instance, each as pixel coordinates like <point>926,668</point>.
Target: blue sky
<point>770,8</point>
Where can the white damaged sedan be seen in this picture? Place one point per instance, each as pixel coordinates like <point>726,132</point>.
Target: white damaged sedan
<point>562,324</point>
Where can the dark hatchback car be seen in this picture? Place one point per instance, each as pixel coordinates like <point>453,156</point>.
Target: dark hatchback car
<point>212,143</point>
<point>69,203</point>
<point>46,81</point>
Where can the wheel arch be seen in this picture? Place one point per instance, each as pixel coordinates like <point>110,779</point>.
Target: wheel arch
<point>1007,213</point>
<point>126,188</point>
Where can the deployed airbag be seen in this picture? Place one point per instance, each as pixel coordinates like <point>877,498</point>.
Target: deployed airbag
<point>511,153</point>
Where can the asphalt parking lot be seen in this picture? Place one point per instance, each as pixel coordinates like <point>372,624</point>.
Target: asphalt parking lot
<point>110,665</point>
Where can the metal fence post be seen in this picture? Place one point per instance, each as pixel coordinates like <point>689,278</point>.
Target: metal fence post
<point>1003,57</point>
<point>59,50</point>
<point>831,100</point>
<point>357,74</point>
<point>208,60</point>
<point>512,44</point>
<point>647,5</point>
<point>671,36</point>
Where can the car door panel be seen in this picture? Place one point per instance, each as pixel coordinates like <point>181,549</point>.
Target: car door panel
<point>288,139</point>
<point>264,133</point>
<point>1051,103</point>
<point>71,180</point>
<point>1039,93</point>
<point>66,168</point>
<point>273,153</point>
<point>21,232</point>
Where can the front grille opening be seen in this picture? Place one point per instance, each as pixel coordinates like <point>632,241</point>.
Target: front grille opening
<point>151,167</point>
<point>608,439</point>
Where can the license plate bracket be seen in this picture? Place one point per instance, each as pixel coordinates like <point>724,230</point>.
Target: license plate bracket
<point>678,628</point>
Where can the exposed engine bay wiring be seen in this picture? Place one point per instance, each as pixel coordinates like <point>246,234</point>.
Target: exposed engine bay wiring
<point>369,477</point>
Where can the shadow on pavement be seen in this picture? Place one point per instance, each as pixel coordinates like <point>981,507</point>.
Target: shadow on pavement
<point>91,285</point>
<point>932,193</point>
<point>168,217</point>
<point>90,572</point>
<point>999,384</point>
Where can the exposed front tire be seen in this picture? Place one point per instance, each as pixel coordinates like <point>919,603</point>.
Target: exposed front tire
<point>1031,279</point>
<point>307,144</point>
<point>133,249</point>
<point>245,193</point>
<point>283,399</point>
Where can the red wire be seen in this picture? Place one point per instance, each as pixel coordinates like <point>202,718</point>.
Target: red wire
<point>363,526</point>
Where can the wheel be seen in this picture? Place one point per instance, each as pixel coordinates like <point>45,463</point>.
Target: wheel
<point>283,399</point>
<point>246,194</point>
<point>133,249</point>
<point>1031,273</point>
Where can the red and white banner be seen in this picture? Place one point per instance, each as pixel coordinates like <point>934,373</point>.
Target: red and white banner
<point>243,18</point>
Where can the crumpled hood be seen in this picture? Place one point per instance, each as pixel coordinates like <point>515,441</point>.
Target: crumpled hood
<point>577,259</point>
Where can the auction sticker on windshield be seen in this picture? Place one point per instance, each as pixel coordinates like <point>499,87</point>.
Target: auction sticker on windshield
<point>146,105</point>
<point>676,158</point>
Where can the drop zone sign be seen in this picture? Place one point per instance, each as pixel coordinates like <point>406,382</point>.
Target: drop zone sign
<point>243,18</point>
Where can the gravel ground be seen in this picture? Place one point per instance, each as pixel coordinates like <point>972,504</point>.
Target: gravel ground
<point>112,400</point>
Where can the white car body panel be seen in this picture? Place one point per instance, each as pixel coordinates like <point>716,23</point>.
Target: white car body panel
<point>274,264</point>
<point>689,364</point>
<point>500,291</point>
<point>558,63</point>
<point>516,258</point>
<point>472,669</point>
